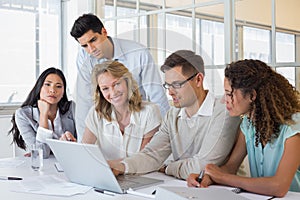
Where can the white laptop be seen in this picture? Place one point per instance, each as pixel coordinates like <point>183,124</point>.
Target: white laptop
<point>86,165</point>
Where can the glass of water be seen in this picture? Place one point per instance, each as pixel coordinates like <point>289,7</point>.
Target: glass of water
<point>36,157</point>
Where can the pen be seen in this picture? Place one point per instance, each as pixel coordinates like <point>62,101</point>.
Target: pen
<point>200,177</point>
<point>104,192</point>
<point>9,178</point>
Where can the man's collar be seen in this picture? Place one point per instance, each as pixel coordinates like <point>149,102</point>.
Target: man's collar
<point>118,52</point>
<point>206,108</point>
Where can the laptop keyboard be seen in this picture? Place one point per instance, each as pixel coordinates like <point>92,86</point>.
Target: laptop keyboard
<point>127,182</point>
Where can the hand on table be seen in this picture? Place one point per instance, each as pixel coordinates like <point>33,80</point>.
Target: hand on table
<point>67,136</point>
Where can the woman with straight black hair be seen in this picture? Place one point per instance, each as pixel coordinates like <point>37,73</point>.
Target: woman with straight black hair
<point>46,113</point>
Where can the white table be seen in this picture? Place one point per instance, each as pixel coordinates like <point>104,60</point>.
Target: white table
<point>24,170</point>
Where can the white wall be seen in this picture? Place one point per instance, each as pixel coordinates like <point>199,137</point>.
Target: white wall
<point>7,149</point>
<point>5,140</point>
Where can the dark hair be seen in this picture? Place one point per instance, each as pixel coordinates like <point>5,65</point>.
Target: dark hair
<point>190,62</point>
<point>32,99</point>
<point>85,23</point>
<point>276,99</point>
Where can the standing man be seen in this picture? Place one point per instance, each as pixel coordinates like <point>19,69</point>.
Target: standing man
<point>198,130</point>
<point>98,47</point>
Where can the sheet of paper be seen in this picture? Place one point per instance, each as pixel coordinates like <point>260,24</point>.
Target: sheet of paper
<point>50,185</point>
<point>151,189</point>
<point>245,194</point>
<point>183,184</point>
<point>10,162</point>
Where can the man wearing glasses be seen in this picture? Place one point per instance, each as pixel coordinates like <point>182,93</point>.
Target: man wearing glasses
<point>197,130</point>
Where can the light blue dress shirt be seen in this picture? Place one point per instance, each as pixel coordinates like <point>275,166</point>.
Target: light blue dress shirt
<point>264,161</point>
<point>140,63</point>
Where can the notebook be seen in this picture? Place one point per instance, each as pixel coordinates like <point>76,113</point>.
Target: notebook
<point>85,164</point>
<point>184,193</point>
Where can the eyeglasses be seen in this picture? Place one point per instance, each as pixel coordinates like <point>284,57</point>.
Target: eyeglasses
<point>178,85</point>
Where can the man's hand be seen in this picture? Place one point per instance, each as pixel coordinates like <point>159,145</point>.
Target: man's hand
<point>163,169</point>
<point>116,166</point>
<point>192,181</point>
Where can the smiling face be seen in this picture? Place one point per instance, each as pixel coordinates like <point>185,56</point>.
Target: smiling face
<point>53,89</point>
<point>114,90</point>
<point>236,103</point>
<point>95,43</point>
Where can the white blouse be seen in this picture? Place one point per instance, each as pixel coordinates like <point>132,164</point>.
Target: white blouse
<point>112,143</point>
<point>43,134</point>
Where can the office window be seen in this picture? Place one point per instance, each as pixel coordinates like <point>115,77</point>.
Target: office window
<point>285,47</point>
<point>212,42</point>
<point>211,49</point>
<point>214,80</point>
<point>176,35</point>
<point>178,32</point>
<point>127,28</point>
<point>257,44</point>
<point>285,53</point>
<point>289,73</point>
<point>30,44</point>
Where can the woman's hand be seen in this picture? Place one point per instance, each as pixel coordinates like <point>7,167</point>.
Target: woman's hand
<point>44,107</point>
<point>67,136</point>
<point>27,154</point>
<point>215,172</point>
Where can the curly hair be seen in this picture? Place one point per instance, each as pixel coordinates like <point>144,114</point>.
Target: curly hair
<point>117,70</point>
<point>276,101</point>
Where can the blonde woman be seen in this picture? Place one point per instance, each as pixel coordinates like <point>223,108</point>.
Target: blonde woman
<point>119,122</point>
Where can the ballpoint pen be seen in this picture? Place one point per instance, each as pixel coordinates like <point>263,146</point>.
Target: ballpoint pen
<point>104,192</point>
<point>9,178</point>
<point>200,177</point>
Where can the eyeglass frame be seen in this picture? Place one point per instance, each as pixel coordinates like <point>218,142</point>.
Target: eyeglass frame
<point>178,85</point>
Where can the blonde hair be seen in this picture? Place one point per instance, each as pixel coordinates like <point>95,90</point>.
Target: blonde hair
<point>117,70</point>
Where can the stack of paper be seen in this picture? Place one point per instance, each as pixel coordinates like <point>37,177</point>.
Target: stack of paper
<point>50,185</point>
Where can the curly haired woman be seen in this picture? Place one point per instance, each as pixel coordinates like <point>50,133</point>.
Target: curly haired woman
<point>269,132</point>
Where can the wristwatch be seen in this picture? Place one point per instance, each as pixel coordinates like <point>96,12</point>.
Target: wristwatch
<point>163,169</point>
